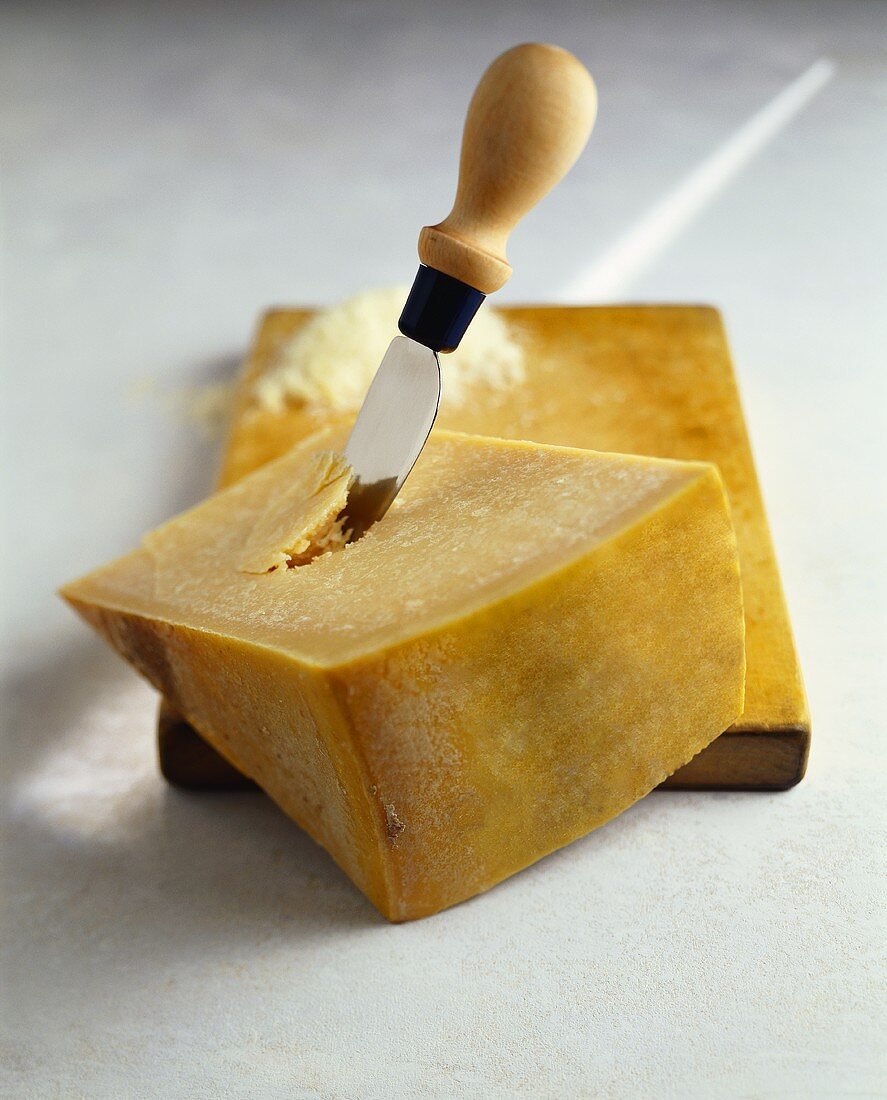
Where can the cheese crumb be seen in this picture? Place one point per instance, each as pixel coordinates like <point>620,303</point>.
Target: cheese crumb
<point>331,360</point>
<point>303,522</point>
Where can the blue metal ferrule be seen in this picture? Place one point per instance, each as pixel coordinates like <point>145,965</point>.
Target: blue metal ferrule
<point>438,309</point>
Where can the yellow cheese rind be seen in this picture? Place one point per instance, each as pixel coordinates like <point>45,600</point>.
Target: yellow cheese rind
<point>526,700</point>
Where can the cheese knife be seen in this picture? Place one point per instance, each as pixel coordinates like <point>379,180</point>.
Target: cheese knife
<point>529,119</point>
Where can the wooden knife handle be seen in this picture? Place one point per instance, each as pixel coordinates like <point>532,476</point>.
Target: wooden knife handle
<point>527,123</point>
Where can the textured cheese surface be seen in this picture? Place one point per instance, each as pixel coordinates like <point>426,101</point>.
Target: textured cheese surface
<point>475,520</point>
<point>330,362</point>
<point>302,522</point>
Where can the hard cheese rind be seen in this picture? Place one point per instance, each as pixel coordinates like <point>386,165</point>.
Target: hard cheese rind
<point>530,640</point>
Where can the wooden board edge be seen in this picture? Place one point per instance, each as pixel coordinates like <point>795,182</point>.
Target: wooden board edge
<point>739,760</point>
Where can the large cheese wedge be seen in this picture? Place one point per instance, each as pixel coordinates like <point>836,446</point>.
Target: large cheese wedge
<point>530,640</point>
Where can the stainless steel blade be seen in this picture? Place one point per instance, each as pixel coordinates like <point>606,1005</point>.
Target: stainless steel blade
<point>391,428</point>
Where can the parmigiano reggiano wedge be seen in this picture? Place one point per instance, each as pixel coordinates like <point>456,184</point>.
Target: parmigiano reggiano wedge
<point>530,640</point>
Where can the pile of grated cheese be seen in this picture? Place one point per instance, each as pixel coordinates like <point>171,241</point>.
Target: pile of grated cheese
<point>331,360</point>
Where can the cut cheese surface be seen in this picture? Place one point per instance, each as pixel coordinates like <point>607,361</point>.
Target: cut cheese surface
<point>298,523</point>
<point>521,511</point>
<point>529,641</point>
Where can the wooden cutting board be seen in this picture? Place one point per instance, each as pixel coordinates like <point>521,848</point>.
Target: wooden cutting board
<point>654,380</point>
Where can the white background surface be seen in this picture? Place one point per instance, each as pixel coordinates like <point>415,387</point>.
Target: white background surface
<point>170,171</point>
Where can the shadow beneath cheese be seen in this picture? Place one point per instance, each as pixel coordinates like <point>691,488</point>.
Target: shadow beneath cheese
<point>111,863</point>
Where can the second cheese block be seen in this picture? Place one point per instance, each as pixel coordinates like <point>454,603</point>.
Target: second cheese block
<point>530,640</point>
